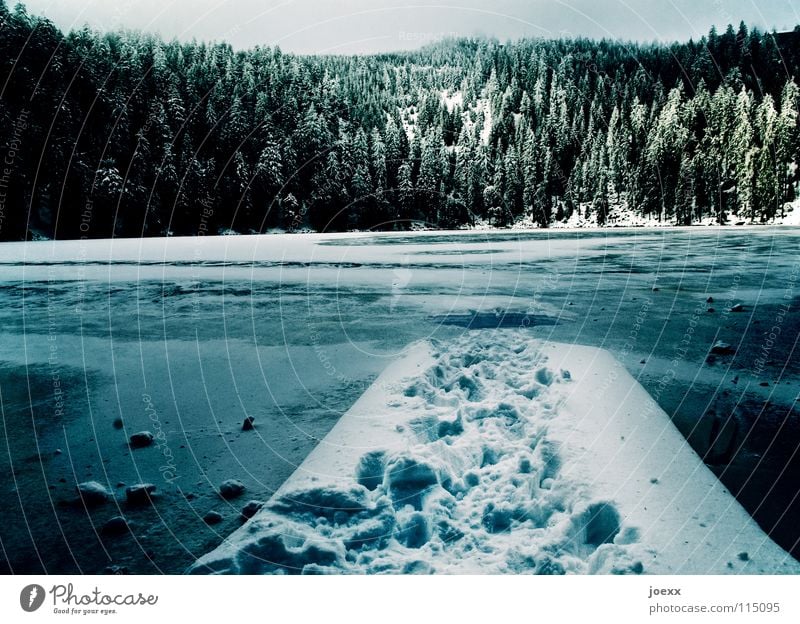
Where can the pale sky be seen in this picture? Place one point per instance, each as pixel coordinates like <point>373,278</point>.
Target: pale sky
<point>363,26</point>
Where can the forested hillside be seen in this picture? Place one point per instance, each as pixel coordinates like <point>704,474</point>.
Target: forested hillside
<point>124,134</point>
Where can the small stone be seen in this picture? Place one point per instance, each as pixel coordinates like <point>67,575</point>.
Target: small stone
<point>140,493</point>
<point>231,489</point>
<point>711,310</point>
<point>710,300</point>
<point>57,452</point>
<point>141,439</point>
<point>115,569</point>
<point>764,384</point>
<point>654,480</point>
<point>117,423</point>
<point>642,361</point>
<point>212,517</point>
<point>247,425</point>
<point>115,526</point>
<point>738,307</point>
<point>743,556</point>
<point>735,380</point>
<point>251,509</point>
<point>93,493</point>
<point>722,348</point>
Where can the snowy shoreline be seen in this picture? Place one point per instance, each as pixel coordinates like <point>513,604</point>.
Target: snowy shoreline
<point>188,248</point>
<point>792,219</point>
<point>500,453</point>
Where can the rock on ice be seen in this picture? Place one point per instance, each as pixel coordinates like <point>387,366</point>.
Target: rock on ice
<point>140,493</point>
<point>94,493</point>
<point>141,439</point>
<point>231,489</point>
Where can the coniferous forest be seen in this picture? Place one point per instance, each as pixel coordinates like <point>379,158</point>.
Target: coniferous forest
<point>124,134</point>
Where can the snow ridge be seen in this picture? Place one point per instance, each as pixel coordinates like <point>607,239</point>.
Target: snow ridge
<point>487,455</point>
<point>474,488</point>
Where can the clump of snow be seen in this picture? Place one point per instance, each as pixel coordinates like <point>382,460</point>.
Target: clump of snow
<point>497,453</point>
<point>791,214</point>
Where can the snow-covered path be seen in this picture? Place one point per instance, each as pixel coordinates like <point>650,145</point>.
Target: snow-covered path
<point>500,453</point>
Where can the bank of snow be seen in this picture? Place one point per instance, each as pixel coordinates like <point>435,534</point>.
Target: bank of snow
<point>620,214</point>
<point>498,453</point>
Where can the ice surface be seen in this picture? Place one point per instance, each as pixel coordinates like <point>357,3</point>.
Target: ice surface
<point>293,328</point>
<point>498,453</point>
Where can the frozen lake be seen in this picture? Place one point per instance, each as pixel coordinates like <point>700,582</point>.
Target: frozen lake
<point>187,337</point>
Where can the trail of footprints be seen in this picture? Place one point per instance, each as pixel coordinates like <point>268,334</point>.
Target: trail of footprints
<point>479,488</point>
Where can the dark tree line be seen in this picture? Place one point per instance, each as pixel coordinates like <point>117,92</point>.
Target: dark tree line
<point>123,134</point>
